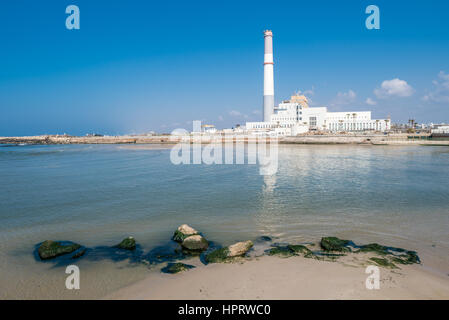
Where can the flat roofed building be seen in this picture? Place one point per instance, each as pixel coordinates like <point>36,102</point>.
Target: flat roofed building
<point>296,115</point>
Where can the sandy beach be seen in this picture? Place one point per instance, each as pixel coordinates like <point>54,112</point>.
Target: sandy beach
<point>288,278</point>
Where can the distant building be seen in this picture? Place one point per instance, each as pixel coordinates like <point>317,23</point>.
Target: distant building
<point>294,117</point>
<point>440,129</point>
<point>208,128</point>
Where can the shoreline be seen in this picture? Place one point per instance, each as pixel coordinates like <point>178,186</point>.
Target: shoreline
<point>351,139</point>
<point>340,270</point>
<point>269,277</point>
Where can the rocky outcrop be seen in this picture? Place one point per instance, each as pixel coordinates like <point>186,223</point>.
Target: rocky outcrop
<point>127,244</point>
<point>291,250</point>
<point>390,255</point>
<point>227,253</point>
<point>239,248</point>
<point>183,232</point>
<point>190,239</point>
<point>51,249</point>
<point>334,244</point>
<point>195,242</point>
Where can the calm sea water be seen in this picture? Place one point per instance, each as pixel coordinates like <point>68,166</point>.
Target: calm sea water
<point>97,195</point>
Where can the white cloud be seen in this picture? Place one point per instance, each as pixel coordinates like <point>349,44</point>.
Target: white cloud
<point>307,93</point>
<point>220,118</point>
<point>370,101</point>
<point>440,93</point>
<point>395,87</point>
<point>344,98</point>
<point>256,112</point>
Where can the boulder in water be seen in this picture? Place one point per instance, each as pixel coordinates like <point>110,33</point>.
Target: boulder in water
<point>334,244</point>
<point>195,242</point>
<point>227,253</point>
<point>239,248</point>
<point>50,249</point>
<point>176,267</point>
<point>127,244</point>
<point>183,232</point>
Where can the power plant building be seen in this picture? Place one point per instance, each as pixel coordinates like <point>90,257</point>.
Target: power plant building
<point>294,116</point>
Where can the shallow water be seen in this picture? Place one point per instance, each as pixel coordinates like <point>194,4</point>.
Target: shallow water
<point>97,195</point>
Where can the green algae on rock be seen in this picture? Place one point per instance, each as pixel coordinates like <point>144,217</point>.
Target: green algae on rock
<point>281,251</point>
<point>183,232</point>
<point>127,244</point>
<point>218,255</point>
<point>79,254</point>
<point>410,257</point>
<point>397,255</point>
<point>291,250</point>
<point>299,248</point>
<point>176,267</point>
<point>226,254</point>
<point>51,249</point>
<point>334,244</point>
<point>383,262</point>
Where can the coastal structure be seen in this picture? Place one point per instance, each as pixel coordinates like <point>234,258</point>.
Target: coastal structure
<point>294,116</point>
<point>268,76</point>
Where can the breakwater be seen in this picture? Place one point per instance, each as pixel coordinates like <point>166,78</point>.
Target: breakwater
<point>368,139</point>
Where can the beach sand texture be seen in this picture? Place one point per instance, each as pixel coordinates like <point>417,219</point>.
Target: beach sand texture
<point>288,278</point>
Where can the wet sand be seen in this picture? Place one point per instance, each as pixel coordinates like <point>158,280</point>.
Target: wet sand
<point>288,278</point>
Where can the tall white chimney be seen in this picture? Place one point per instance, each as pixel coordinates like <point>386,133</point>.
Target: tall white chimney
<point>268,80</point>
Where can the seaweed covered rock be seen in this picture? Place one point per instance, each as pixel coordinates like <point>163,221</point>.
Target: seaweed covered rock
<point>409,257</point>
<point>79,253</point>
<point>392,255</point>
<point>301,249</point>
<point>183,232</point>
<point>291,250</point>
<point>334,244</point>
<point>127,244</point>
<point>195,243</point>
<point>227,253</point>
<point>383,262</point>
<point>176,267</point>
<point>51,249</point>
<point>398,255</point>
<point>281,251</point>
<point>374,247</point>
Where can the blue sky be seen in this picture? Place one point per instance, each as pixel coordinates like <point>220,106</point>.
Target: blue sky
<point>136,66</point>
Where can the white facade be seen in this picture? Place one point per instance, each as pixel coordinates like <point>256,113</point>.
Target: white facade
<point>440,129</point>
<point>294,117</point>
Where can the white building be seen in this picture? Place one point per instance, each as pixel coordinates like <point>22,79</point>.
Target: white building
<point>208,128</point>
<point>440,129</point>
<point>294,116</point>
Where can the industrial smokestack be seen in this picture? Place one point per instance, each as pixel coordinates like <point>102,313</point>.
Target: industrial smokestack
<point>268,80</point>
